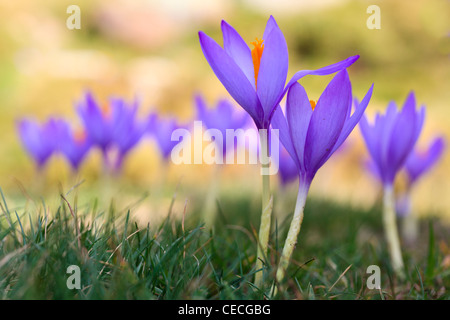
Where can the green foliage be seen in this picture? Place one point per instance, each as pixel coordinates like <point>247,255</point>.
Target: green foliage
<point>180,259</point>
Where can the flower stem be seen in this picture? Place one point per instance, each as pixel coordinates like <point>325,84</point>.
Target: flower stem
<point>390,229</point>
<point>410,226</point>
<point>210,210</point>
<point>266,214</point>
<point>294,230</point>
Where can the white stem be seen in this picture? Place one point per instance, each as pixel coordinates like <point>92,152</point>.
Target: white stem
<point>390,229</point>
<point>266,214</point>
<point>410,225</point>
<point>294,230</point>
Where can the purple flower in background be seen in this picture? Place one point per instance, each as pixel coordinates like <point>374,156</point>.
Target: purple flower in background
<point>127,130</point>
<point>161,129</point>
<point>256,77</point>
<point>38,140</point>
<point>392,137</point>
<point>224,116</point>
<point>287,169</point>
<point>390,141</point>
<point>420,162</point>
<point>311,134</point>
<point>74,145</point>
<point>115,125</point>
<point>97,121</point>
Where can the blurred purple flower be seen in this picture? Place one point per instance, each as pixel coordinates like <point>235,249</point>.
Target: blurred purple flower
<point>161,129</point>
<point>256,78</point>
<point>310,133</point>
<point>420,162</point>
<point>97,121</point>
<point>38,140</point>
<point>127,129</point>
<point>392,137</point>
<point>287,169</point>
<point>222,117</point>
<point>115,125</point>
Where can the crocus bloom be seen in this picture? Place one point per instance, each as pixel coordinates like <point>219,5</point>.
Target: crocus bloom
<point>73,144</point>
<point>114,126</point>
<point>256,77</point>
<point>224,116</point>
<point>392,137</point>
<point>311,133</point>
<point>161,129</point>
<point>38,140</point>
<point>390,141</point>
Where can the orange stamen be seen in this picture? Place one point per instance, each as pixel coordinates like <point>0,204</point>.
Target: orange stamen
<point>313,104</point>
<point>79,136</point>
<point>106,110</point>
<point>257,52</point>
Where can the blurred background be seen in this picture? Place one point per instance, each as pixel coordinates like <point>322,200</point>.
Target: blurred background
<point>150,50</point>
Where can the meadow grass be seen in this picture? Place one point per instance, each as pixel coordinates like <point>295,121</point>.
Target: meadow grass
<point>180,259</point>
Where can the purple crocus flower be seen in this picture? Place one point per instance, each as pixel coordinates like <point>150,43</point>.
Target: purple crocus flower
<point>113,126</point>
<point>224,116</point>
<point>38,140</point>
<point>73,144</point>
<point>390,141</point>
<point>161,129</point>
<point>392,137</point>
<point>311,134</point>
<point>256,78</point>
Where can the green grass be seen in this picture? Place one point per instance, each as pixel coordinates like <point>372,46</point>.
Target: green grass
<point>179,259</point>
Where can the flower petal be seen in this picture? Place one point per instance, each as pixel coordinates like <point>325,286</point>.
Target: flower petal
<point>280,124</point>
<point>272,71</point>
<point>298,114</point>
<point>353,120</point>
<point>232,77</point>
<point>327,121</point>
<point>239,51</point>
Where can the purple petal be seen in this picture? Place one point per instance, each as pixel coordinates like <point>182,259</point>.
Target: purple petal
<point>272,71</point>
<point>403,138</point>
<point>354,119</point>
<point>327,121</point>
<point>418,163</point>
<point>232,77</point>
<point>239,51</point>
<point>323,71</point>
<point>298,113</point>
<point>279,123</point>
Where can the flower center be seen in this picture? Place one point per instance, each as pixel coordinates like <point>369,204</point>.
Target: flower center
<point>106,110</point>
<point>257,52</point>
<point>313,104</point>
<point>79,136</point>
